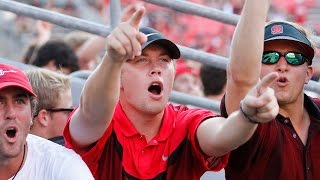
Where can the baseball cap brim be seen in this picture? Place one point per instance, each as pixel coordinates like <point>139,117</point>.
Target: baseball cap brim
<point>166,44</point>
<point>14,84</point>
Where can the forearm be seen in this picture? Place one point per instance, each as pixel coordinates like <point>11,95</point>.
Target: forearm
<point>101,92</point>
<point>240,130</point>
<point>247,48</point>
<point>97,103</point>
<point>219,136</point>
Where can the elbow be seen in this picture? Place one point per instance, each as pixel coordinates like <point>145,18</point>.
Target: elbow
<point>241,78</point>
<point>217,150</point>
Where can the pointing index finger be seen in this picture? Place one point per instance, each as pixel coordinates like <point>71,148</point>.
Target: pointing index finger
<point>136,17</point>
<point>266,82</point>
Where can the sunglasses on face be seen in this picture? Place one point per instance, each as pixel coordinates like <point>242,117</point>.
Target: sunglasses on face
<point>68,110</point>
<point>293,58</point>
<point>60,110</point>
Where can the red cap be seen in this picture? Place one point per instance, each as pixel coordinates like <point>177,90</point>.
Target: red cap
<point>12,76</point>
<point>182,68</point>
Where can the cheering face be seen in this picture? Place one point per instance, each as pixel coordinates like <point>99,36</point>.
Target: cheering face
<point>147,80</point>
<point>292,76</point>
<point>15,121</point>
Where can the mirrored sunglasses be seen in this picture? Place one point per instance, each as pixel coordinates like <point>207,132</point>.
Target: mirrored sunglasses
<point>293,58</point>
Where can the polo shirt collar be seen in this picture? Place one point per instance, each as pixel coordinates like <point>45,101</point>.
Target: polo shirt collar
<point>310,106</point>
<point>128,129</point>
<point>168,124</point>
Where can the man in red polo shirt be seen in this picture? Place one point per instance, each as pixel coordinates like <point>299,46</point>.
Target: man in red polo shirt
<point>124,128</point>
<point>289,146</point>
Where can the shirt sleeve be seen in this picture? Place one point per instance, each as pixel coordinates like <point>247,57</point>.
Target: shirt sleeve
<point>93,153</point>
<point>75,168</point>
<point>66,131</point>
<point>208,163</point>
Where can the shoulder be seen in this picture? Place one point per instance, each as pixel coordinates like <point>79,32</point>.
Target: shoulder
<point>187,114</point>
<point>185,109</point>
<point>52,159</point>
<point>45,148</point>
<point>316,101</point>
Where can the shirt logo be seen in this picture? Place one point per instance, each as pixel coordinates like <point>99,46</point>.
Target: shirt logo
<point>3,72</point>
<point>277,29</point>
<point>164,158</point>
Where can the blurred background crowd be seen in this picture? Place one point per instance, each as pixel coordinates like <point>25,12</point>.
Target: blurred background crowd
<point>38,43</point>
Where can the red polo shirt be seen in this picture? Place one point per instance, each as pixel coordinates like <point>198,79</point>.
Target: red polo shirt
<point>276,152</point>
<point>123,153</point>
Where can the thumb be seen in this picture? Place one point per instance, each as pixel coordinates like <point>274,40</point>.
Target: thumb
<point>136,18</point>
<point>266,82</point>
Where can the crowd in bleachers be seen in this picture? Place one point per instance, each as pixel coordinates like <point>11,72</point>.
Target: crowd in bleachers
<point>185,29</point>
<point>68,51</point>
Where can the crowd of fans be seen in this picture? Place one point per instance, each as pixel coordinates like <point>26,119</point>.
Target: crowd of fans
<point>83,51</point>
<point>69,51</point>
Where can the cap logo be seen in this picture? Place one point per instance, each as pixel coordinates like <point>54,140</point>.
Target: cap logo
<point>2,72</point>
<point>151,34</point>
<point>277,29</point>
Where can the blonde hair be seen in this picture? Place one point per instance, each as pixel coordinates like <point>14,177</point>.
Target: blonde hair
<point>49,86</point>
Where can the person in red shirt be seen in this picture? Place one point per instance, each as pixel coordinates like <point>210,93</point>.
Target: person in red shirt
<point>289,146</point>
<point>124,127</point>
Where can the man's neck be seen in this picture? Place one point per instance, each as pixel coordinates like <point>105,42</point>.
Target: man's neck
<point>294,110</point>
<point>147,125</point>
<point>9,167</point>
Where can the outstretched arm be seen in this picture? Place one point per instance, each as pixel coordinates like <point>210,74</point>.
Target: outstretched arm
<point>101,91</point>
<point>218,135</point>
<point>244,68</point>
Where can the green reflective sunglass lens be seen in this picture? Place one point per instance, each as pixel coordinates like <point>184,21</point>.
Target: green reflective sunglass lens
<point>294,58</point>
<point>270,58</point>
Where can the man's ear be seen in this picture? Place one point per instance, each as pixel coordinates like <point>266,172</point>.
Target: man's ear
<point>43,118</point>
<point>309,74</point>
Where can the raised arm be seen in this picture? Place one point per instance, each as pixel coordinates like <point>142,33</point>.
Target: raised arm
<point>101,91</point>
<point>218,135</point>
<point>244,68</point>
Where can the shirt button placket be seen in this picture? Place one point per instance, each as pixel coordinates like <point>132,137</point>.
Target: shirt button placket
<point>294,135</point>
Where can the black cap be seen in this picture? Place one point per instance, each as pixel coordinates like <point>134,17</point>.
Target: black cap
<point>285,31</point>
<point>156,37</point>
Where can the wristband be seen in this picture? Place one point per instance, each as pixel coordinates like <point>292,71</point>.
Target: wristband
<point>246,115</point>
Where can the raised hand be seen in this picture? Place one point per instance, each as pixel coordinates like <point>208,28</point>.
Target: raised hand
<point>125,40</point>
<point>43,30</point>
<point>129,10</point>
<point>260,104</point>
